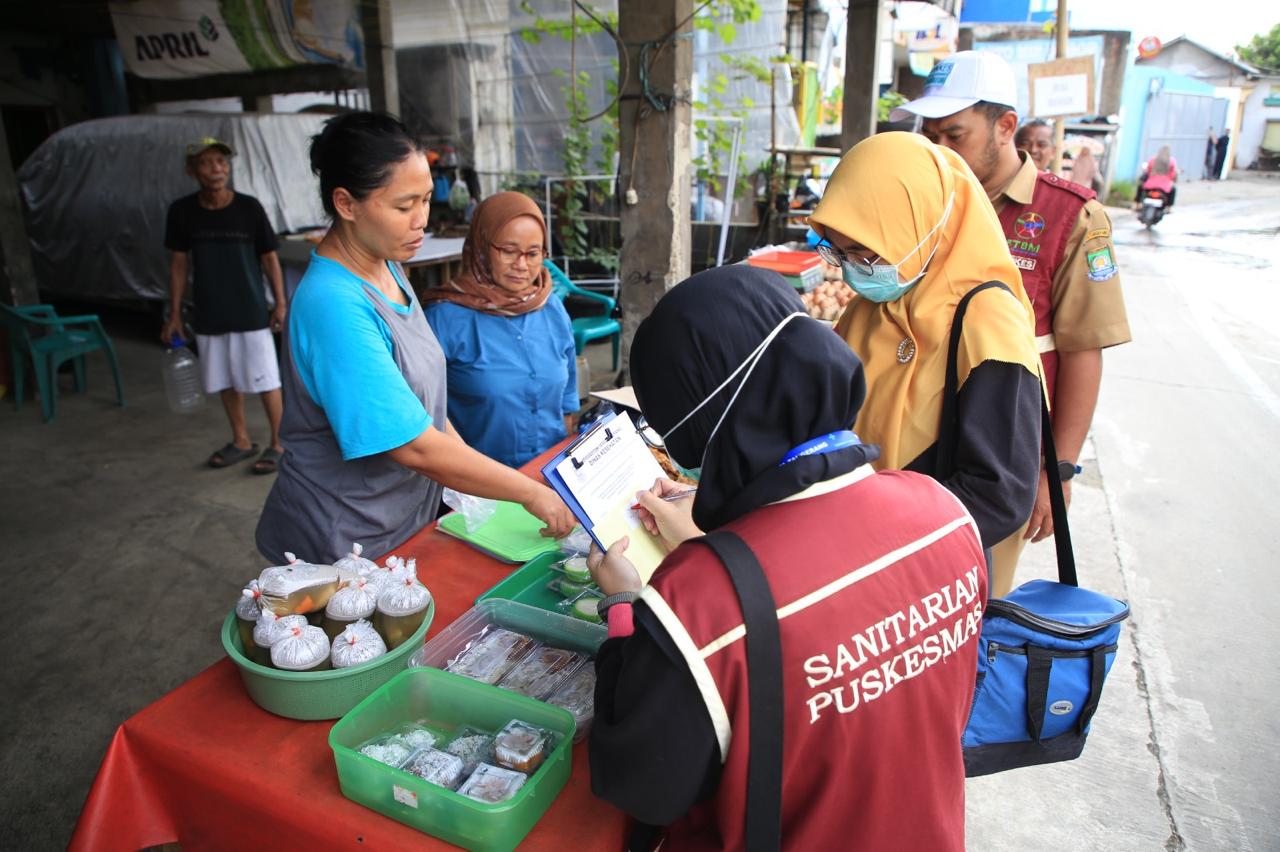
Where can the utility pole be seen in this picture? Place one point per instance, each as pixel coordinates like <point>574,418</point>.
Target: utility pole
<point>1060,123</point>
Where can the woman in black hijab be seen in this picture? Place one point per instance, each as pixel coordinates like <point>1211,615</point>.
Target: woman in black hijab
<point>760,399</point>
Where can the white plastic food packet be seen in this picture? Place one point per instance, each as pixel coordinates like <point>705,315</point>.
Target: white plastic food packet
<point>355,563</point>
<point>249,603</point>
<point>355,600</point>
<point>402,606</point>
<point>301,649</point>
<point>298,587</point>
<point>271,628</point>
<point>355,646</point>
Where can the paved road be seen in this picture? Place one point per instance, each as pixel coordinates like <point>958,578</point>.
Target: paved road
<point>1177,513</point>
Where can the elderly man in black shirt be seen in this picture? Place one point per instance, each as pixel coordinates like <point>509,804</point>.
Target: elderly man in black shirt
<point>223,240</point>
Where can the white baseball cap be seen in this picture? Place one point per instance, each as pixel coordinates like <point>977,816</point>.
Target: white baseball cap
<point>960,81</point>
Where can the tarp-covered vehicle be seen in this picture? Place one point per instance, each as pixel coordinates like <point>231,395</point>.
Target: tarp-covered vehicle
<point>96,194</point>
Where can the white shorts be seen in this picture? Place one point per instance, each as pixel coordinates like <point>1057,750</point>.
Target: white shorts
<point>242,360</point>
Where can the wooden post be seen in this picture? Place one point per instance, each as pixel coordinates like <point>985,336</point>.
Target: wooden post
<point>655,156</point>
<point>16,271</point>
<point>380,56</point>
<point>861,72</point>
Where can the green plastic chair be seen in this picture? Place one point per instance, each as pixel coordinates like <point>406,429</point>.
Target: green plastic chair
<point>38,335</point>
<point>586,329</point>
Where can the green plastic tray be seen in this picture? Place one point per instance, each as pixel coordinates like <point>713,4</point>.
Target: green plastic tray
<point>511,534</point>
<point>318,695</point>
<point>447,700</point>
<point>528,584</point>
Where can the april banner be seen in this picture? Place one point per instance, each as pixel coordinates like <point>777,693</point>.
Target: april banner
<point>194,38</point>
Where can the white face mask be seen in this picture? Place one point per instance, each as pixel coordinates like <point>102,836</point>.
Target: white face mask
<point>749,364</point>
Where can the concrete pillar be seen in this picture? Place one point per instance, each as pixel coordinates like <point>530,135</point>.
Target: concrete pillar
<point>655,158</point>
<point>380,56</point>
<point>861,72</point>
<point>17,276</point>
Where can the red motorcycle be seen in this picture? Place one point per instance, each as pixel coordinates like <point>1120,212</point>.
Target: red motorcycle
<point>1154,202</point>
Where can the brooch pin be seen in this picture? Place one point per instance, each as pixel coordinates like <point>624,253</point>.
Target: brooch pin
<point>906,350</point>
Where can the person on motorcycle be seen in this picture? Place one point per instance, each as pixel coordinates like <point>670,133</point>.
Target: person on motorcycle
<point>1159,173</point>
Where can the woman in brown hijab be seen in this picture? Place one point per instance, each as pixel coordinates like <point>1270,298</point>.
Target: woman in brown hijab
<point>512,378</point>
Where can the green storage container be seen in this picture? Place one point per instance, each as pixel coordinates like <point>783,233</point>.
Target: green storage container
<point>448,701</point>
<point>317,695</point>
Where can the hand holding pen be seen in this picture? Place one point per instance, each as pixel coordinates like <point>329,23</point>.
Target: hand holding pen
<point>665,513</point>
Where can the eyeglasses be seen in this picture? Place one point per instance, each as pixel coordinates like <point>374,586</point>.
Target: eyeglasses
<point>510,254</point>
<point>648,434</point>
<point>836,257</point>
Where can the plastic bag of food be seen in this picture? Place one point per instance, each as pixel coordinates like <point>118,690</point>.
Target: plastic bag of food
<point>356,599</point>
<point>475,510</point>
<point>437,767</point>
<point>401,608</point>
<point>355,563</point>
<point>585,606</point>
<point>354,646</point>
<point>270,629</point>
<point>492,784</point>
<point>248,608</point>
<point>490,655</point>
<point>521,746</point>
<point>302,649</point>
<point>540,673</point>
<point>298,587</point>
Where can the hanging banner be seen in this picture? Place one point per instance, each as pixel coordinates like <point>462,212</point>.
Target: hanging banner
<point>167,39</point>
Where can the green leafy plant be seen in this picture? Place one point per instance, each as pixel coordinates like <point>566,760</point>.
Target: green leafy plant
<point>1263,51</point>
<point>1122,193</point>
<point>887,103</point>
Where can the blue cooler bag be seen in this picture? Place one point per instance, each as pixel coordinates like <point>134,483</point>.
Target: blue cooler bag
<point>1043,655</point>
<point>1045,650</point>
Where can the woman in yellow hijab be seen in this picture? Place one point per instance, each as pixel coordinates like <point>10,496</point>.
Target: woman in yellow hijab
<point>914,232</point>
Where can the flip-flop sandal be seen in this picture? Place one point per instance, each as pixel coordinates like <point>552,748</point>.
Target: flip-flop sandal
<point>230,454</point>
<point>266,462</point>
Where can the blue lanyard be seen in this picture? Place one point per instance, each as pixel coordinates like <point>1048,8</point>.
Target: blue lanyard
<point>828,443</point>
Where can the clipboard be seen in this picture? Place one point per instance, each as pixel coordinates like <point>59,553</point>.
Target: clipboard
<point>598,476</point>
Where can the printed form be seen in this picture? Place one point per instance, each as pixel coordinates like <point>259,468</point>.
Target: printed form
<point>604,473</point>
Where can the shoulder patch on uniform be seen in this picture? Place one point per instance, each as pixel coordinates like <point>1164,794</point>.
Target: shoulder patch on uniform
<point>1053,180</point>
<point>1099,234</point>
<point>1102,265</point>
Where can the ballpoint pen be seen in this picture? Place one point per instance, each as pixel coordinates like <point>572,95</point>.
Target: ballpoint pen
<point>672,497</point>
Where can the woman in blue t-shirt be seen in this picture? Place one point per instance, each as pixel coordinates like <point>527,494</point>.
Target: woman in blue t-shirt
<point>513,382</point>
<point>367,440</point>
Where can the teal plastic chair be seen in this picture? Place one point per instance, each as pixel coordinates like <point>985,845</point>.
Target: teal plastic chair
<point>39,336</point>
<point>586,329</point>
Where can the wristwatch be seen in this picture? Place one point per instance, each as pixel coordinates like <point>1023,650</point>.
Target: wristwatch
<point>602,608</point>
<point>1067,469</point>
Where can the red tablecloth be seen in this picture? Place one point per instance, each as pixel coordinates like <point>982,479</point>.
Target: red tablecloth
<point>206,767</point>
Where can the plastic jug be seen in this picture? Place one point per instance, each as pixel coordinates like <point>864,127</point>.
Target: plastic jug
<point>181,374</point>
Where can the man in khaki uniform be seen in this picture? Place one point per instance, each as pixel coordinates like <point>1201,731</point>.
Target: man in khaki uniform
<point>1060,239</point>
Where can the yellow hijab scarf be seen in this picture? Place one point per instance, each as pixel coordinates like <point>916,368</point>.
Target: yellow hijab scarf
<point>888,193</point>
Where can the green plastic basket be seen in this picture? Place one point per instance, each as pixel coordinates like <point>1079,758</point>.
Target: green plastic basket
<point>318,695</point>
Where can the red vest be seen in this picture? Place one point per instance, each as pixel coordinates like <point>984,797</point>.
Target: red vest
<point>1037,235</point>
<point>880,588</point>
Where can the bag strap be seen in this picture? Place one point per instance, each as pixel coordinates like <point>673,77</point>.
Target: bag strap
<point>764,689</point>
<point>948,429</point>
